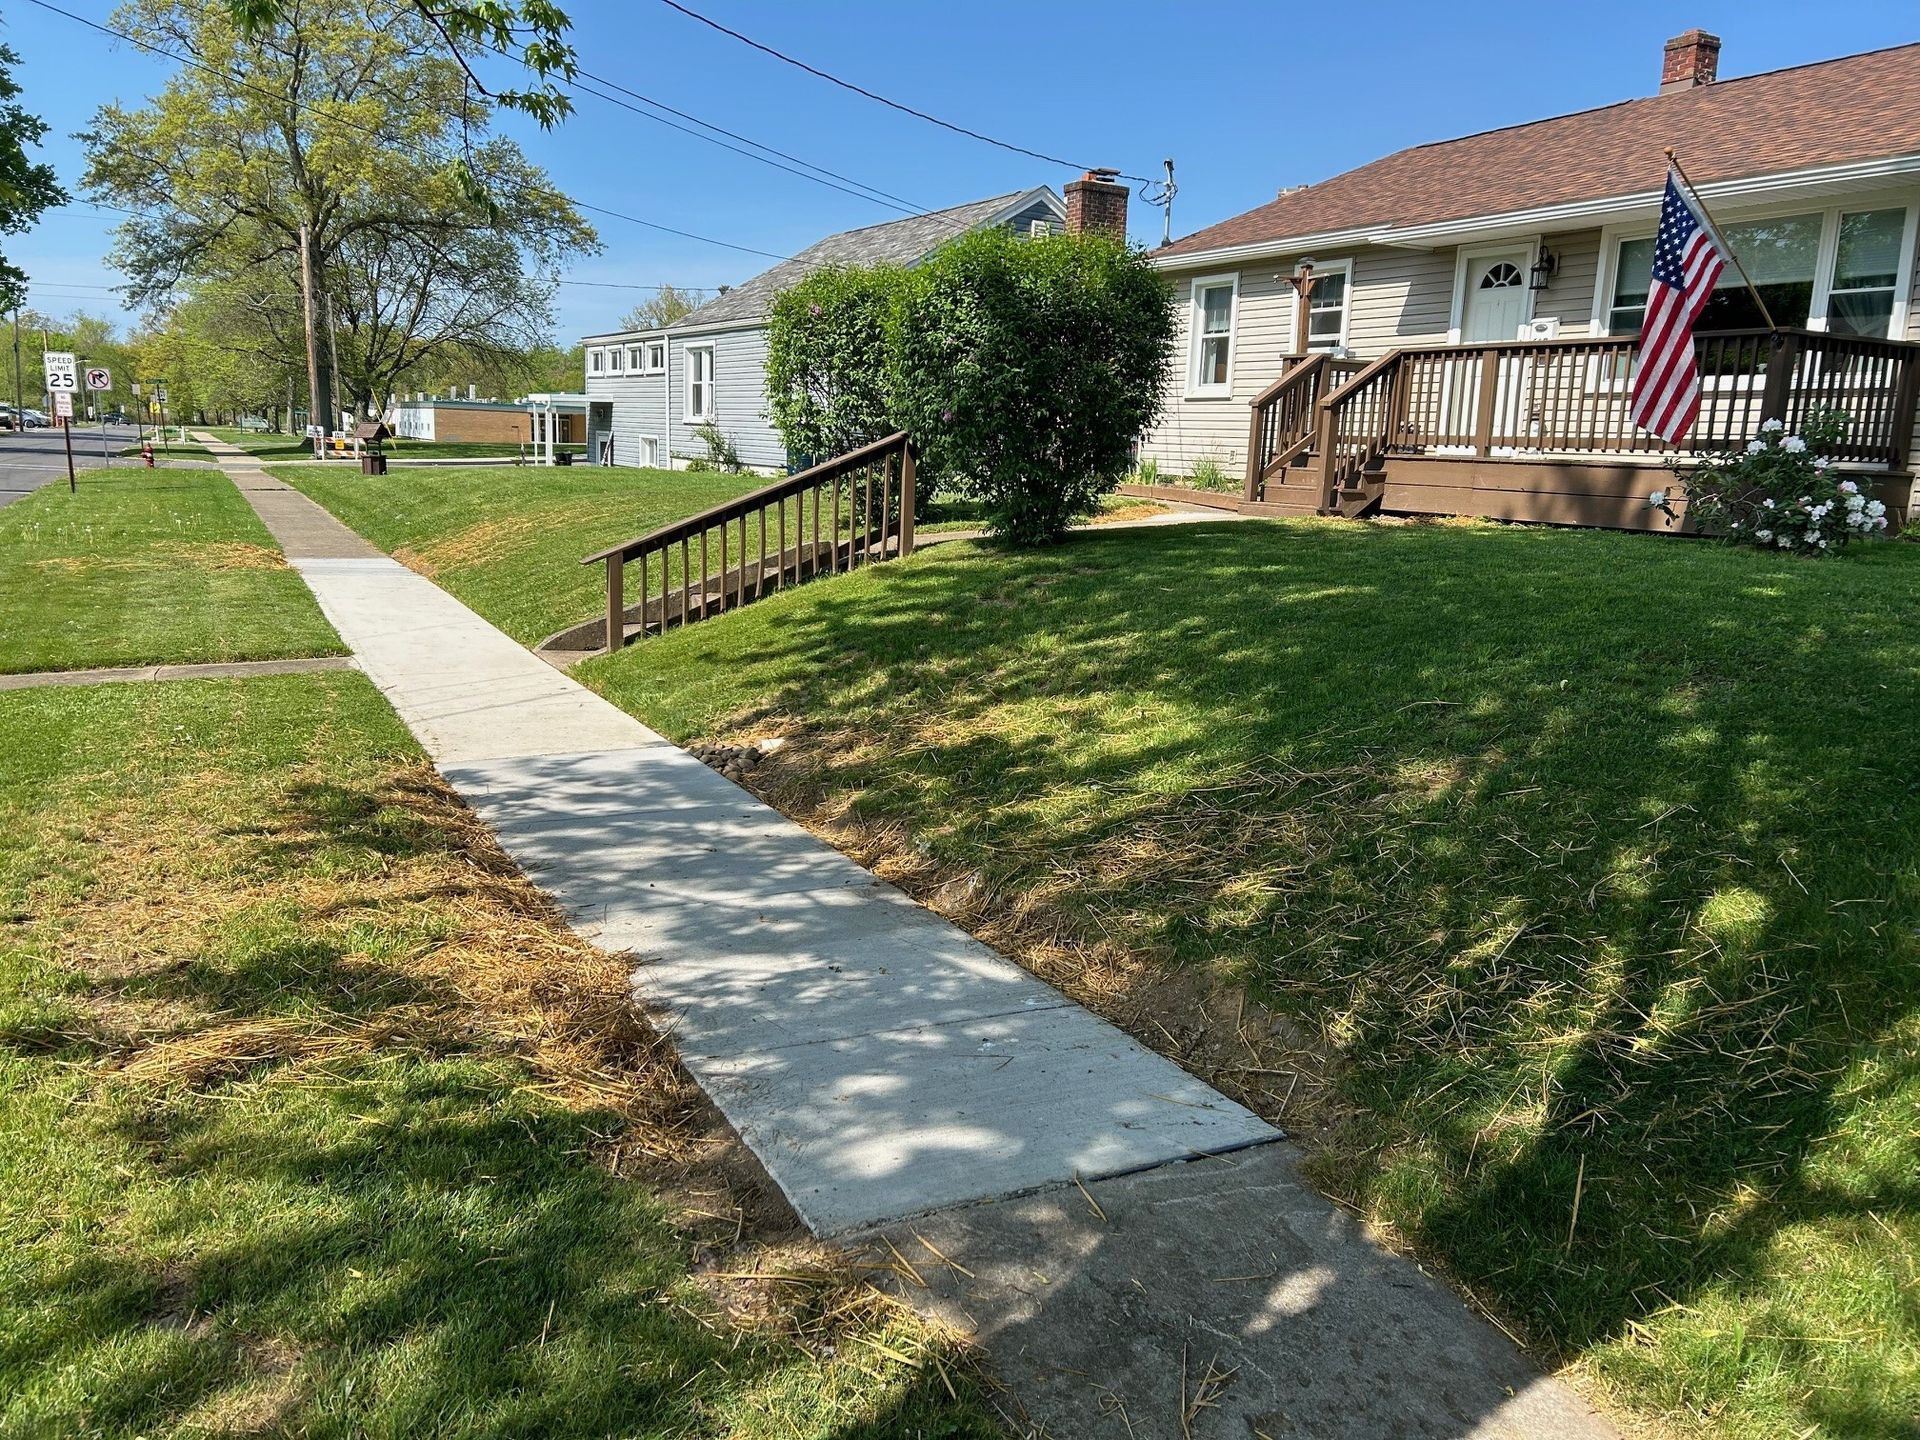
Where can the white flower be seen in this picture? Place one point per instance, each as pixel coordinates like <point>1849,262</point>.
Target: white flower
<point>1877,508</point>
<point>1768,502</point>
<point>1821,462</point>
<point>1763,536</point>
<point>1879,522</point>
<point>1785,542</point>
<point>1821,541</point>
<point>1856,501</point>
<point>1793,444</point>
<point>1847,487</point>
<point>1754,447</point>
<point>1657,499</point>
<point>1771,426</point>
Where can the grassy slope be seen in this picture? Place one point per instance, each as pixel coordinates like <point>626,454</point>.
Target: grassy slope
<point>508,540</point>
<point>143,566</point>
<point>1596,857</point>
<point>309,1115</point>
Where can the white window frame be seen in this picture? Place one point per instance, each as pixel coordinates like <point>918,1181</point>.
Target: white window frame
<point>596,361</point>
<point>1195,312</point>
<point>1465,256</point>
<point>656,366</point>
<point>1323,268</point>
<point>697,417</point>
<point>649,445</point>
<point>1607,281</point>
<point>636,360</point>
<point>616,355</point>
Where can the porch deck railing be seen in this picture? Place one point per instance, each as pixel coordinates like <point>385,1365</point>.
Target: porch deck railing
<point>1570,398</point>
<point>1284,415</point>
<point>854,510</point>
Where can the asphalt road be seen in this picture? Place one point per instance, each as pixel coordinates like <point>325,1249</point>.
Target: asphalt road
<point>32,458</point>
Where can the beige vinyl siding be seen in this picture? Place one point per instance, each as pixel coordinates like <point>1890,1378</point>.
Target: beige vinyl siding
<point>1569,295</point>
<point>1400,297</point>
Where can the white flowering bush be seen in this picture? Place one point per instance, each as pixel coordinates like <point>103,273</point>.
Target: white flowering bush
<point>1782,493</point>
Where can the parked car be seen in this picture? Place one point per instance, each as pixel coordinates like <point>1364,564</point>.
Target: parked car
<point>116,417</point>
<point>37,419</point>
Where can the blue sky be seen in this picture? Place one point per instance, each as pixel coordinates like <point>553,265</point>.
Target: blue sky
<point>1229,91</point>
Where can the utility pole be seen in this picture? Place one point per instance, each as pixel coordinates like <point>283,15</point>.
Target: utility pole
<point>316,396</point>
<point>19,394</point>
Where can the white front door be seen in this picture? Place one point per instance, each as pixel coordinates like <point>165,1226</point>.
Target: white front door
<point>1496,302</point>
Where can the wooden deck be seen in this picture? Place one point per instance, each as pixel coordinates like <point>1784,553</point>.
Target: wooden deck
<point>1541,431</point>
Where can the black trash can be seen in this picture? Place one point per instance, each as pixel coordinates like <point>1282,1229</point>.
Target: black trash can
<point>563,457</point>
<point>372,463</point>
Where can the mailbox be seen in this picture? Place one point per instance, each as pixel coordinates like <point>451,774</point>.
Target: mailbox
<point>370,433</point>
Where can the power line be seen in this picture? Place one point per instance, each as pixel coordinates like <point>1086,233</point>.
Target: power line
<point>876,197</point>
<point>787,59</point>
<point>373,131</point>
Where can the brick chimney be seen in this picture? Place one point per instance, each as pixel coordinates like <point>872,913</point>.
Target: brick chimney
<point>1691,59</point>
<point>1096,205</point>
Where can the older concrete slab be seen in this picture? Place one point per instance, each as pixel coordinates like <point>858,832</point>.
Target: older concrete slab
<point>1108,1323</point>
<point>213,670</point>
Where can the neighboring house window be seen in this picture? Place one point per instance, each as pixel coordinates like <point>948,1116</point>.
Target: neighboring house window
<point>1327,310</point>
<point>634,354</point>
<point>699,383</point>
<point>657,357</point>
<point>1856,293</point>
<point>613,360</point>
<point>1866,272</point>
<point>1212,362</point>
<point>596,361</point>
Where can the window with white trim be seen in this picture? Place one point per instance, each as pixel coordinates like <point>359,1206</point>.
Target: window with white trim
<point>699,383</point>
<point>596,361</point>
<point>1210,371</point>
<point>636,358</point>
<point>1866,272</point>
<point>613,359</point>
<point>1855,292</point>
<point>1327,310</point>
<point>656,357</point>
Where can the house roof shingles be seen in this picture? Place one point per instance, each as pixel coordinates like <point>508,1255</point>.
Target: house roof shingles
<point>1858,107</point>
<point>898,242</point>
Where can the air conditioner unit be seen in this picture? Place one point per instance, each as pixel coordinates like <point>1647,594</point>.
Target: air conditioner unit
<point>1545,328</point>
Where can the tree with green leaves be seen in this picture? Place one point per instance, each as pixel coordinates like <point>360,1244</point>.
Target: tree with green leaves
<point>827,341</point>
<point>353,123</point>
<point>27,187</point>
<point>666,305</point>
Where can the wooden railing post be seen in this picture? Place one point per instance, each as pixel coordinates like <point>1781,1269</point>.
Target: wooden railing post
<point>906,500</point>
<point>1906,400</point>
<point>616,602</point>
<point>1326,428</point>
<point>1488,396</point>
<point>1256,446</point>
<point>1783,358</point>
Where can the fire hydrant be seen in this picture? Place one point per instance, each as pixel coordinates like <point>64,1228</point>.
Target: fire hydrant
<point>146,453</point>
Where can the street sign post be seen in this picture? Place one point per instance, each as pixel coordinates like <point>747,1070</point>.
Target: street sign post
<point>99,381</point>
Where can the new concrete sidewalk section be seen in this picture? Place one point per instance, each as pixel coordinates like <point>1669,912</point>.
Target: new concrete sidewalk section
<point>878,1060</point>
<point>889,1072</point>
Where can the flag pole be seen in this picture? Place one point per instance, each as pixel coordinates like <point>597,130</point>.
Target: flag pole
<point>1720,238</point>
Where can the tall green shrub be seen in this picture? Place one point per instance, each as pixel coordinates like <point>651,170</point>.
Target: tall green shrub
<point>1025,370</point>
<point>826,360</point>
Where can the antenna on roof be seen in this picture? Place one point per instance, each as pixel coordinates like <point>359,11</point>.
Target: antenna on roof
<point>1160,193</point>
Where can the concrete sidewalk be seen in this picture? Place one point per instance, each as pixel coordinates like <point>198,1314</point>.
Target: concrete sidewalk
<point>879,1061</point>
<point>899,1079</point>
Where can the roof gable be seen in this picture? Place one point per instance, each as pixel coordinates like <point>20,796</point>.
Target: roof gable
<point>896,242</point>
<point>1828,113</point>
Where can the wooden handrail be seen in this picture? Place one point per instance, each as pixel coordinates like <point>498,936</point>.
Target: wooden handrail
<point>715,515</point>
<point>853,510</point>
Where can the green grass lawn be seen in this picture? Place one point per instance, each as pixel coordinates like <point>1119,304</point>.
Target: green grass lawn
<point>144,566</point>
<point>1591,861</point>
<point>508,540</point>
<point>269,446</point>
<point>314,1120</point>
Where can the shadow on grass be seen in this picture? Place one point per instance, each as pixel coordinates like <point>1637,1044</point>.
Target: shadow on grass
<point>398,1235</point>
<point>1593,854</point>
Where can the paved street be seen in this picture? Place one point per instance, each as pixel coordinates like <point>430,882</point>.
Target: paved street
<point>32,458</point>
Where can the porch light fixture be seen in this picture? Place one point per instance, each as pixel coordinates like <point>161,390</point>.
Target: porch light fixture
<point>1541,274</point>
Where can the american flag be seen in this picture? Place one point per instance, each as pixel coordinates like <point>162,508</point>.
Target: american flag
<point>1686,263</point>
